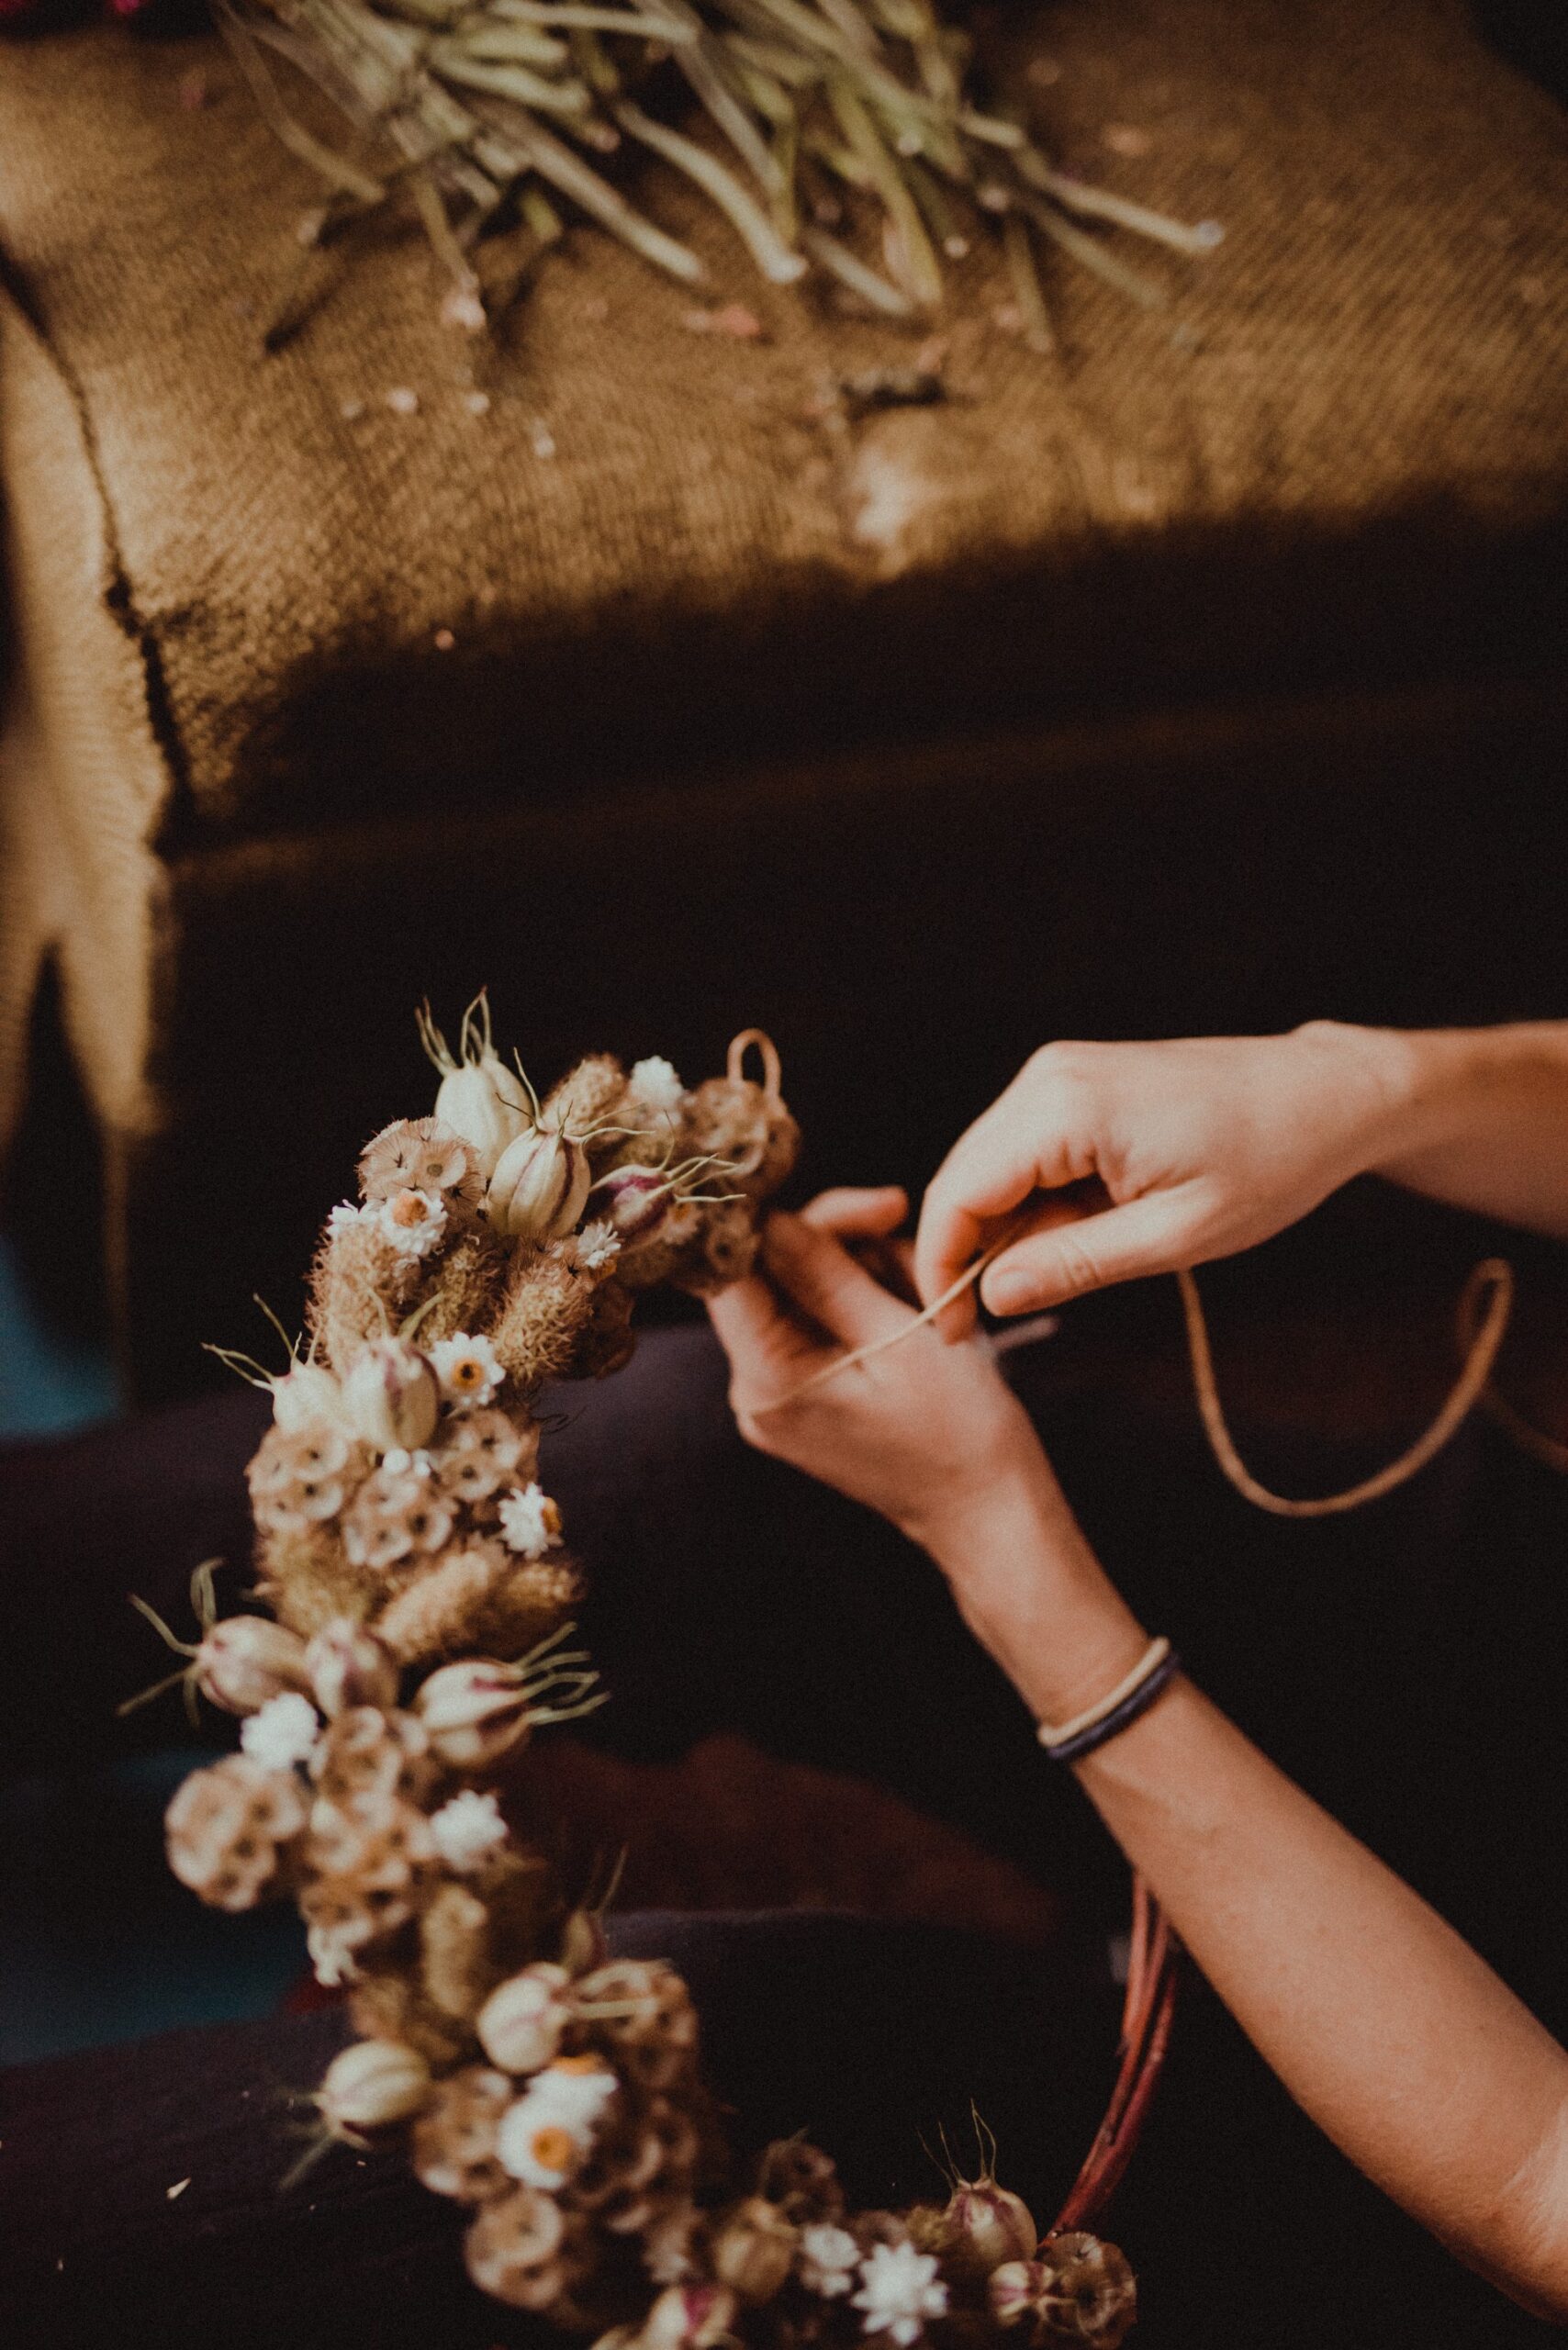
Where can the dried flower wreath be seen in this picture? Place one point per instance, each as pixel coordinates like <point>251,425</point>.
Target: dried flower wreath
<point>419,1638</point>
<point>844,137</point>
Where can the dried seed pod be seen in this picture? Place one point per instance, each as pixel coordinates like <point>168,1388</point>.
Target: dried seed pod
<point>306,1396</point>
<point>521,2250</point>
<point>540,1185</point>
<point>392,1397</point>
<point>754,2249</point>
<point>543,1313</point>
<point>485,1104</point>
<point>371,2088</point>
<point>360,1281</point>
<point>420,1155</point>
<point>346,1667</point>
<point>654,2040</point>
<point>695,2316</point>
<point>521,2023</point>
<point>587,1095</point>
<point>374,1867</point>
<point>1077,2289</point>
<point>453,2147</point>
<point>231,1828</point>
<point>303,1478</point>
<point>802,2181</point>
<point>987,2225</point>
<point>456,1965</point>
<point>475,1713</point>
<point>246,1661</point>
<point>481,1450</point>
<point>370,1753</point>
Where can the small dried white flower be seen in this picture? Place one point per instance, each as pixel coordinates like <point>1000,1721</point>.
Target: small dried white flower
<point>899,2290</point>
<point>467,1829</point>
<point>403,400</point>
<point>530,1522</point>
<point>469,1369</point>
<point>345,1214</point>
<point>656,1083</point>
<point>829,2258</point>
<point>283,1733</point>
<point>596,1246</point>
<point>412,1221</point>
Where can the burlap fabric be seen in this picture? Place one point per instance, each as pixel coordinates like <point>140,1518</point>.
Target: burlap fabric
<point>255,799</point>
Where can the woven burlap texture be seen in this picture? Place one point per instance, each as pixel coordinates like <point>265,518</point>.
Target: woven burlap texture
<point>233,571</point>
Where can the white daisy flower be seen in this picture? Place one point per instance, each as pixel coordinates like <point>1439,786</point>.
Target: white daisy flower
<point>283,1732</point>
<point>412,1221</point>
<point>530,1522</point>
<point>655,1084</point>
<point>899,2290</point>
<point>469,1369</point>
<point>467,1829</point>
<point>597,1247</point>
<point>548,2132</point>
<point>829,2258</point>
<point>344,1215</point>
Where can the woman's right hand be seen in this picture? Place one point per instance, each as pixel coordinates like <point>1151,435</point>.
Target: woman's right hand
<point>1174,1152</point>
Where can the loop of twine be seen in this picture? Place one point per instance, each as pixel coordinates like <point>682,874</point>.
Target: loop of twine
<point>772,1067</point>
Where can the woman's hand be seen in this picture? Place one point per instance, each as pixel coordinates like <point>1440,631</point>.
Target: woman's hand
<point>922,1432</point>
<point>1175,1153</point>
<point>929,1434</point>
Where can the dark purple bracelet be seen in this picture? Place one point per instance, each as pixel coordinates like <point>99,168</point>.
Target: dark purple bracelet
<point>1158,1665</point>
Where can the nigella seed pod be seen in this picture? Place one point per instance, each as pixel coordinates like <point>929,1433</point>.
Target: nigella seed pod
<point>689,2317</point>
<point>520,2024</point>
<point>246,1661</point>
<point>474,1712</point>
<point>633,1201</point>
<point>988,2225</point>
<point>483,1103</point>
<point>305,1397</point>
<point>346,1665</point>
<point>372,2087</point>
<point>392,1397</point>
<point>540,1186</point>
<point>753,2251</point>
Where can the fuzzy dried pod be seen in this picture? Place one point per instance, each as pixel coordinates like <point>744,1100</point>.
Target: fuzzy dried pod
<point>303,1478</point>
<point>359,1282</point>
<point>607,1344</point>
<point>696,2316</point>
<point>461,1284</point>
<point>1077,2289</point>
<point>420,1155</point>
<point>482,1450</point>
<point>754,2249</point>
<point>589,1095</point>
<point>347,1667</point>
<point>373,1753</point>
<point>246,1661</point>
<point>475,1713</point>
<point>728,1249</point>
<point>453,2145</point>
<point>390,2004</point>
<point>546,1308</point>
<point>441,1611</point>
<point>231,1831</point>
<point>747,1130</point>
<point>305,1579</point>
<point>987,2225</point>
<point>391,1397</point>
<point>371,2088</point>
<point>802,2181</point>
<point>523,2021</point>
<point>655,2042</point>
<point>457,1960</point>
<point>523,2249</point>
<point>540,1185</point>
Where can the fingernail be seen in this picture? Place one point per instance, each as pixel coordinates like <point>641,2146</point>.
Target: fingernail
<point>1008,1292</point>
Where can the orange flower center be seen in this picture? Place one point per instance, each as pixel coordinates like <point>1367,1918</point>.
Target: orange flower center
<point>469,1373</point>
<point>408,1209</point>
<point>554,2147</point>
<point>577,2064</point>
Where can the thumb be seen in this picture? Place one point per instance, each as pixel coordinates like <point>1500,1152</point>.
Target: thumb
<point>1069,1259</point>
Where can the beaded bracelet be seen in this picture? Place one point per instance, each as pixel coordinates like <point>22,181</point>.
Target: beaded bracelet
<point>1133,1696</point>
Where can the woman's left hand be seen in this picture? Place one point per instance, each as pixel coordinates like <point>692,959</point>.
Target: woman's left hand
<point>922,1432</point>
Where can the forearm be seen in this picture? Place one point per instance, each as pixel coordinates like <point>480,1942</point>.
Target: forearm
<point>1477,1117</point>
<point>1384,2025</point>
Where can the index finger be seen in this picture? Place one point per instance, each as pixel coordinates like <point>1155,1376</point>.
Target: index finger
<point>986,1176</point>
